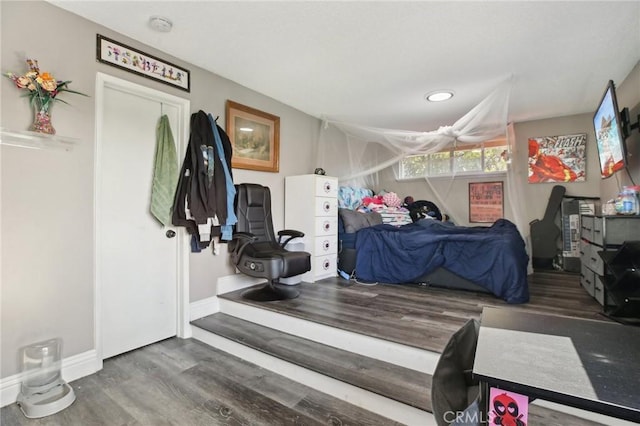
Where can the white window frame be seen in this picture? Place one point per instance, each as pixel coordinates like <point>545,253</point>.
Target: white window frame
<point>478,173</point>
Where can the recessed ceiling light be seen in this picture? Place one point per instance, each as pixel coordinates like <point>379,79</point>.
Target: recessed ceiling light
<point>439,96</point>
<point>160,24</point>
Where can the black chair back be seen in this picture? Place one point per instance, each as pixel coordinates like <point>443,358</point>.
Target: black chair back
<point>253,208</point>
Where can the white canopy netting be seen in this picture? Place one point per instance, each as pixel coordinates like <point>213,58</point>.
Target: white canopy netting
<point>357,154</point>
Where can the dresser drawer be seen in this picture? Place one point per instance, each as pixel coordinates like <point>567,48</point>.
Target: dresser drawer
<point>598,231</point>
<point>586,227</point>
<point>326,226</point>
<point>324,266</point>
<point>585,251</point>
<point>587,280</point>
<point>326,206</point>
<point>600,292</point>
<point>326,187</point>
<point>619,229</point>
<point>325,245</point>
<point>593,260</point>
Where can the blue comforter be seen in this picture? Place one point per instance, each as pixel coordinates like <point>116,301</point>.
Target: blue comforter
<point>493,257</point>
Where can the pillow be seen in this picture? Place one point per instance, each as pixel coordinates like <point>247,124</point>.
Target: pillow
<point>351,198</point>
<point>353,221</point>
<point>391,199</point>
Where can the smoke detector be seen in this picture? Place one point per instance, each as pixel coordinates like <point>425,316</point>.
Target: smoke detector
<point>160,24</point>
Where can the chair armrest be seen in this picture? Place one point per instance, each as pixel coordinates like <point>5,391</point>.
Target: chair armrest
<point>290,233</point>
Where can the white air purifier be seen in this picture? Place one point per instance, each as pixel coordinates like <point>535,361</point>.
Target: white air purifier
<point>43,392</point>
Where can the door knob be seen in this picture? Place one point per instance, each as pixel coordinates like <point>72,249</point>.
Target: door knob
<point>170,233</point>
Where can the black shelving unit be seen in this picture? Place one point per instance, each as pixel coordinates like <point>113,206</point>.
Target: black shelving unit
<point>622,282</point>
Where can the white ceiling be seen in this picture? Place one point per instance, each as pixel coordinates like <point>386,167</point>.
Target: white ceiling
<point>373,62</point>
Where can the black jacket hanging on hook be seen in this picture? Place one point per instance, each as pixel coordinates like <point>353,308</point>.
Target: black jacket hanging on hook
<point>201,195</point>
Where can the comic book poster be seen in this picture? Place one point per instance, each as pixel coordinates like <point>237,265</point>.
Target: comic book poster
<point>558,158</point>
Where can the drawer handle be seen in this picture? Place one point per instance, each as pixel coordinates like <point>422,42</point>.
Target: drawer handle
<point>326,206</point>
<point>593,259</point>
<point>326,264</point>
<point>326,245</point>
<point>598,289</point>
<point>581,253</point>
<point>586,229</point>
<point>597,230</point>
<point>327,187</point>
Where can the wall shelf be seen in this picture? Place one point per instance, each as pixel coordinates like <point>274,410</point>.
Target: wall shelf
<point>34,140</point>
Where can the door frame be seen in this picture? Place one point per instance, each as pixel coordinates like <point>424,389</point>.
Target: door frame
<point>183,105</point>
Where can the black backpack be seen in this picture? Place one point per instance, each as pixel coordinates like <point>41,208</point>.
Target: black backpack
<point>422,208</point>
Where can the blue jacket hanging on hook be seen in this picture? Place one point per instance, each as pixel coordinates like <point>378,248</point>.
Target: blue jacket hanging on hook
<point>226,227</point>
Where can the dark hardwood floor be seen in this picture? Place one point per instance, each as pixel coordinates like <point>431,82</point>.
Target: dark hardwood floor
<point>185,383</point>
<point>422,316</point>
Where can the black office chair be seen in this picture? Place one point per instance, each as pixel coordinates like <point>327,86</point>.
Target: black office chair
<point>255,250</point>
<point>456,397</point>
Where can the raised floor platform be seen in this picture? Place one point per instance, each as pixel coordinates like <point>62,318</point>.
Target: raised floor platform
<point>383,340</point>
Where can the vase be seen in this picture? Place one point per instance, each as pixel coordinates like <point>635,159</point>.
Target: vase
<point>42,119</point>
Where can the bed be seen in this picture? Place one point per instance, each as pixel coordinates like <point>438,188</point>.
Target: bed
<point>490,259</point>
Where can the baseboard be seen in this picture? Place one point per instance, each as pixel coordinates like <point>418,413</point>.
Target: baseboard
<point>73,368</point>
<point>235,282</point>
<point>373,402</point>
<point>202,308</point>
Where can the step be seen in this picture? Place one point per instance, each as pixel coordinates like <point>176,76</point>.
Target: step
<point>290,320</point>
<point>392,381</point>
<point>325,303</point>
<point>321,359</point>
<point>323,333</point>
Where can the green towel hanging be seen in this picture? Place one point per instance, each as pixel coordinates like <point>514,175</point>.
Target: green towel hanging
<point>165,173</point>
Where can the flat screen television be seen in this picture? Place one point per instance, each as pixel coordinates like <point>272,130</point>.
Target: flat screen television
<point>607,123</point>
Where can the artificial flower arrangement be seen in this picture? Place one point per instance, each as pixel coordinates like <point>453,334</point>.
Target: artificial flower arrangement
<point>43,90</point>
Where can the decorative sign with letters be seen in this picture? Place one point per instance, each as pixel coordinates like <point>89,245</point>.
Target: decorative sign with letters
<point>485,202</point>
<point>122,56</point>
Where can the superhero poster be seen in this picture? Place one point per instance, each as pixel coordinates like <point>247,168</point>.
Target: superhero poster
<point>508,408</point>
<point>558,158</point>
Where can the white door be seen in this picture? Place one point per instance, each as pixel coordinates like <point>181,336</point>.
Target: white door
<point>137,262</point>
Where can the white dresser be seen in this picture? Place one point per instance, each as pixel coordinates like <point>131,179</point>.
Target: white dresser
<point>311,206</point>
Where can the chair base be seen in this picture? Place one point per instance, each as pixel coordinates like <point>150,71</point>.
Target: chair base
<point>271,291</point>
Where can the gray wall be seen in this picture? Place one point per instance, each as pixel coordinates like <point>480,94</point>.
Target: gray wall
<point>539,193</point>
<point>47,196</point>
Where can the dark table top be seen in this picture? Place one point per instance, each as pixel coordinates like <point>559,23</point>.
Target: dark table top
<point>588,364</point>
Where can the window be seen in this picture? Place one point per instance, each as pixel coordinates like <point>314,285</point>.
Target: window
<point>484,158</point>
